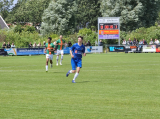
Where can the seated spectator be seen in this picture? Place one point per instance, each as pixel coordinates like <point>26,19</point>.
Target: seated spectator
<point>144,42</point>
<point>8,45</point>
<point>130,42</point>
<point>140,42</point>
<point>151,42</point>
<point>134,41</point>
<point>69,44</point>
<point>124,42</point>
<point>156,42</point>
<point>39,45</point>
<point>88,43</point>
<point>137,42</point>
<point>100,43</point>
<point>4,45</point>
<point>30,45</point>
<point>34,45</point>
<point>13,46</point>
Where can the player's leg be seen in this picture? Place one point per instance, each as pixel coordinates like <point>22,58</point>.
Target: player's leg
<point>47,59</point>
<point>57,58</point>
<point>76,74</point>
<point>79,65</point>
<point>51,60</point>
<point>61,57</point>
<point>73,64</point>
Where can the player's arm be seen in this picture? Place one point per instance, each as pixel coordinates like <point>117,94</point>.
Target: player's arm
<point>71,54</point>
<point>84,54</point>
<point>45,50</point>
<point>72,49</point>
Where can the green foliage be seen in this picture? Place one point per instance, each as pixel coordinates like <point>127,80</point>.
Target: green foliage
<point>18,29</point>
<point>57,17</point>
<point>144,33</point>
<point>28,11</point>
<point>87,13</point>
<point>85,31</point>
<point>133,13</point>
<point>5,6</point>
<point>21,39</point>
<point>30,29</point>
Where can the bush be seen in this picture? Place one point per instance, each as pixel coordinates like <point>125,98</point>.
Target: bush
<point>144,33</point>
<point>20,39</point>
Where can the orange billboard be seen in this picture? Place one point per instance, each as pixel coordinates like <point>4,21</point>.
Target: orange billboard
<point>108,31</point>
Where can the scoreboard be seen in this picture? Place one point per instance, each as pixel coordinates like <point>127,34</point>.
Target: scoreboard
<point>109,28</point>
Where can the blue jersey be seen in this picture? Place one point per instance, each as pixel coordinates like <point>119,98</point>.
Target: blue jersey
<point>78,50</point>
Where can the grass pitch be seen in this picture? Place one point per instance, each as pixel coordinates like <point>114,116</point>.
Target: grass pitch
<point>110,86</point>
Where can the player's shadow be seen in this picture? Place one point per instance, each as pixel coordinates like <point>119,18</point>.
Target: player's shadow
<point>87,81</point>
<point>83,82</point>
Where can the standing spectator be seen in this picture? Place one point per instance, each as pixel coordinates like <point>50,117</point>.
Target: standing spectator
<point>13,46</point>
<point>30,45</point>
<point>134,41</point>
<point>4,45</point>
<point>8,45</point>
<point>39,45</point>
<point>124,42</point>
<point>34,45</point>
<point>156,42</point>
<point>100,43</point>
<point>88,43</point>
<point>144,42</point>
<point>69,44</point>
<point>151,42</point>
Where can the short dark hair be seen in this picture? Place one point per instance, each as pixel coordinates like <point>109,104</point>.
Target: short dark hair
<point>49,38</point>
<point>80,37</point>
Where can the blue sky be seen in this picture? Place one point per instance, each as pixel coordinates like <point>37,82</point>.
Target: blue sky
<point>15,1</point>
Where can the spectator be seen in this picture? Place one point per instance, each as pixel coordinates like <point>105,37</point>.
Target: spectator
<point>39,45</point>
<point>137,42</point>
<point>141,42</point>
<point>34,45</point>
<point>124,42</point>
<point>4,45</point>
<point>8,45</point>
<point>134,41</point>
<point>144,42</point>
<point>13,46</point>
<point>156,42</point>
<point>44,43</point>
<point>88,43</point>
<point>100,43</point>
<point>69,44</point>
<point>30,45</point>
<point>130,42</point>
<point>151,42</point>
<point>85,44</point>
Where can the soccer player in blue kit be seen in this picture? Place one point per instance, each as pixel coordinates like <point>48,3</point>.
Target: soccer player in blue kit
<point>76,61</point>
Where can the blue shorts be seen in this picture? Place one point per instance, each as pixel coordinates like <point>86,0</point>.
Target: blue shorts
<point>76,63</point>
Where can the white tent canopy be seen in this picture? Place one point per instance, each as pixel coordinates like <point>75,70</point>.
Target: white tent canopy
<point>3,24</point>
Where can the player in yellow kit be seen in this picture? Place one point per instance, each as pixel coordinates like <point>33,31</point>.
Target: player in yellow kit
<point>49,50</point>
<point>60,45</point>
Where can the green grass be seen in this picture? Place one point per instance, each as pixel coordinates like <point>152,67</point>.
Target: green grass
<point>109,86</point>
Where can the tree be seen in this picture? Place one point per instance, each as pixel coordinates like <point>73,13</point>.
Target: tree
<point>87,13</point>
<point>5,6</point>
<point>58,17</point>
<point>28,11</point>
<point>133,13</point>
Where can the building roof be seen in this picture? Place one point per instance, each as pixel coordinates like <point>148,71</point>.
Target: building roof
<point>3,24</point>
